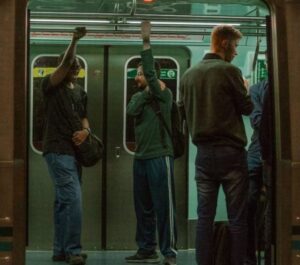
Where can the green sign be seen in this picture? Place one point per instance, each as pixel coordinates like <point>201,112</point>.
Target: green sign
<point>262,71</point>
<point>170,74</point>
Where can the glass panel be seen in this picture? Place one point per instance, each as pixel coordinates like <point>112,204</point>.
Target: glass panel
<point>168,74</point>
<point>41,67</point>
<point>261,70</point>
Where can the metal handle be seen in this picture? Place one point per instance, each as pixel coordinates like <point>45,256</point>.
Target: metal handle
<point>117,151</point>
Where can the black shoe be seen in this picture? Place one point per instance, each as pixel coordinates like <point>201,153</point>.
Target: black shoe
<point>169,261</point>
<point>142,258</point>
<point>76,259</point>
<point>63,257</point>
<point>58,258</point>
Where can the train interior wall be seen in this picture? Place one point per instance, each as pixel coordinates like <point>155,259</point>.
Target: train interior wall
<point>108,214</point>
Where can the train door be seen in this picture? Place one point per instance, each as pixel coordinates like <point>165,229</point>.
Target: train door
<point>108,213</point>
<point>121,223</point>
<point>43,59</point>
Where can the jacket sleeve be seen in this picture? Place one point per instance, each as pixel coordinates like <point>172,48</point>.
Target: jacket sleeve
<point>137,103</point>
<point>255,116</point>
<point>150,73</point>
<point>242,100</point>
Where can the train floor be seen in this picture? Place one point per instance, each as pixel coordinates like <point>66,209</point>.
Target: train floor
<point>185,257</point>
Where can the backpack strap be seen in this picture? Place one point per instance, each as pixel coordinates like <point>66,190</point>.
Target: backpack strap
<point>163,125</point>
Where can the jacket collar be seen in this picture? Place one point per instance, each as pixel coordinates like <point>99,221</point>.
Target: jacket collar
<point>212,56</point>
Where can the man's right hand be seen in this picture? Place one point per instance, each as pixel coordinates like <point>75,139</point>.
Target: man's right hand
<point>79,33</point>
<point>146,30</point>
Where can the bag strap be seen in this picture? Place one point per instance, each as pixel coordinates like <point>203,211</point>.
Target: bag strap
<point>156,108</point>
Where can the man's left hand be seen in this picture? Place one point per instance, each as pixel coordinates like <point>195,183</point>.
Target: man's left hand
<point>80,136</point>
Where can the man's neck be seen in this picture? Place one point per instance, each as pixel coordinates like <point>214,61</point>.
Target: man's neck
<point>221,54</point>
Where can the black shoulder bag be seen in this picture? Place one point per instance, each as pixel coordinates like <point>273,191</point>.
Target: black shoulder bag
<point>91,150</point>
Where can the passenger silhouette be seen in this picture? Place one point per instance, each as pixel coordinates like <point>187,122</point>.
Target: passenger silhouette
<point>66,126</point>
<point>154,198</point>
<point>213,99</point>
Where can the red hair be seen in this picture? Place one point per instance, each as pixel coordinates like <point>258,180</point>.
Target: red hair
<point>224,32</point>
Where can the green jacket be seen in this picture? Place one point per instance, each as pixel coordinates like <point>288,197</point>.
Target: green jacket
<point>147,125</point>
<point>214,98</point>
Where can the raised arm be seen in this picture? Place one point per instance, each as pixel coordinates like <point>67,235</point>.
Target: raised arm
<point>62,70</point>
<point>155,85</point>
<point>145,32</point>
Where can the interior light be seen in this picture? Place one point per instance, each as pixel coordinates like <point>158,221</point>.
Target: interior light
<point>148,1</point>
<point>183,23</point>
<point>43,20</point>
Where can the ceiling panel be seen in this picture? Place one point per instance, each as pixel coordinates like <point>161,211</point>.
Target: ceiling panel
<point>165,7</point>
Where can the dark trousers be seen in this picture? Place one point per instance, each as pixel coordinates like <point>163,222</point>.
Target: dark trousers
<point>154,202</point>
<point>255,186</point>
<point>269,216</point>
<point>226,166</point>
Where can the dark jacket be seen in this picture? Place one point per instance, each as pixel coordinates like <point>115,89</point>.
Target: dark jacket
<point>147,125</point>
<point>257,93</point>
<point>266,137</point>
<point>213,98</point>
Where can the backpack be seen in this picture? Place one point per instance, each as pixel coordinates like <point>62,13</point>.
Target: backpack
<point>176,133</point>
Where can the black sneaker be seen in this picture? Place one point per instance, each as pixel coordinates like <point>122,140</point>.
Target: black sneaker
<point>170,261</point>
<point>77,259</point>
<point>142,258</point>
<point>63,257</point>
<point>58,258</point>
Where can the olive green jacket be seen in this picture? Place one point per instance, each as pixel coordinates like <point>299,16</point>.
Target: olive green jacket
<point>147,125</point>
<point>213,99</point>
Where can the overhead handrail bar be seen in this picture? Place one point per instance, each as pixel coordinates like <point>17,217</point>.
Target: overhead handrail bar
<point>107,28</point>
<point>162,32</point>
<point>65,15</point>
<point>129,25</point>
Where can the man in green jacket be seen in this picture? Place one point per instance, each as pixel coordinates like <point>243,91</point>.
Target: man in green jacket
<point>153,163</point>
<point>213,99</point>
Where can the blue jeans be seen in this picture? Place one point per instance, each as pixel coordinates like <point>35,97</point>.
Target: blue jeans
<point>154,202</point>
<point>226,166</point>
<point>64,172</point>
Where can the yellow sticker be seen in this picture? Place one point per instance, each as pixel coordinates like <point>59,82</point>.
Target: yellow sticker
<point>39,72</point>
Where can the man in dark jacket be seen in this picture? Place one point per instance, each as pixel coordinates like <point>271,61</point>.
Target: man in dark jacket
<point>213,99</point>
<point>255,167</point>
<point>153,163</point>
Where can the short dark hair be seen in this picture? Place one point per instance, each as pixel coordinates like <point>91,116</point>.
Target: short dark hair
<point>156,67</point>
